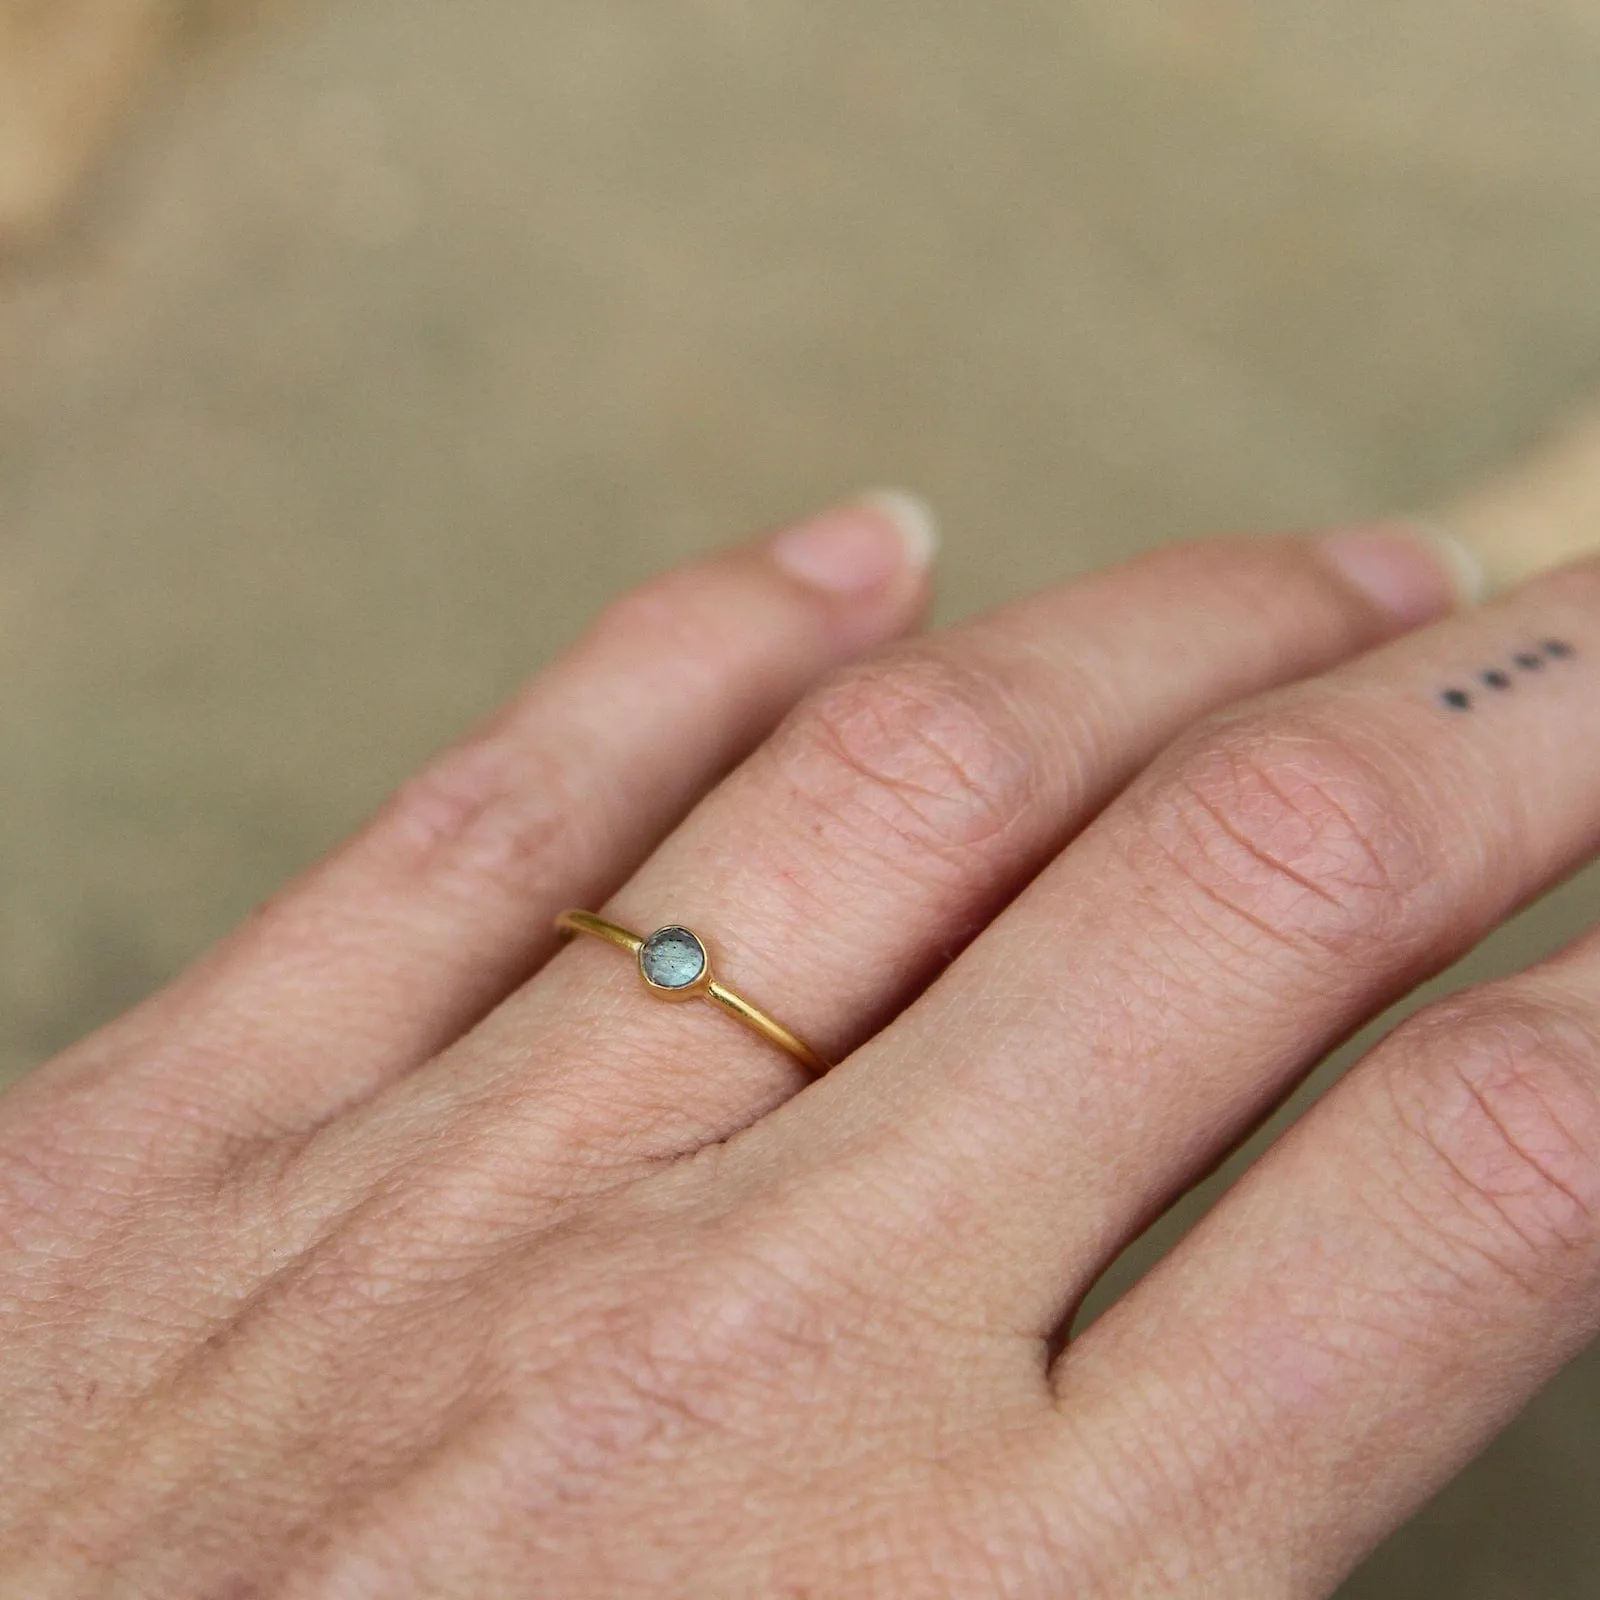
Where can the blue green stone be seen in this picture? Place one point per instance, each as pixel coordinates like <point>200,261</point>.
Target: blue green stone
<point>672,959</point>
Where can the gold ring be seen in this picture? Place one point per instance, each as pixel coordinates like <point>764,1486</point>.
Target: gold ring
<point>676,965</point>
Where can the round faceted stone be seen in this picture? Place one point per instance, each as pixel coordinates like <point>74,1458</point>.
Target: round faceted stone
<point>672,958</point>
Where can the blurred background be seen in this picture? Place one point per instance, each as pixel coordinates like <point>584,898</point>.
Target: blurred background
<point>352,352</point>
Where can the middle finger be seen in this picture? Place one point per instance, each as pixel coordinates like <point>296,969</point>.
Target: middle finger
<point>1277,877</point>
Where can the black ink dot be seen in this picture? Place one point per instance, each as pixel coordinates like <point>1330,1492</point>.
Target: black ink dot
<point>1558,649</point>
<point>1529,662</point>
<point>1457,699</point>
<point>1496,679</point>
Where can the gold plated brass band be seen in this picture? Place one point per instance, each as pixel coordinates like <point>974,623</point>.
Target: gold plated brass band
<point>676,965</point>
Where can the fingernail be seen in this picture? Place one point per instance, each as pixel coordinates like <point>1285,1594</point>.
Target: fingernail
<point>863,546</point>
<point>1466,566</point>
<point>1415,571</point>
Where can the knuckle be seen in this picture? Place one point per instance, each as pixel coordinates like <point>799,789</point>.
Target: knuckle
<point>1294,831</point>
<point>913,755</point>
<point>668,610</point>
<point>468,814</point>
<point>1498,1097</point>
<point>711,636</point>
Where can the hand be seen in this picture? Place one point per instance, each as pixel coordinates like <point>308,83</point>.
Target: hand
<point>392,1253</point>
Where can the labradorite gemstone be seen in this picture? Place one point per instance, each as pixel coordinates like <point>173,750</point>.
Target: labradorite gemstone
<point>672,958</point>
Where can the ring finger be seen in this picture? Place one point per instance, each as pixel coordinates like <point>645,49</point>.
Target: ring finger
<point>394,946</point>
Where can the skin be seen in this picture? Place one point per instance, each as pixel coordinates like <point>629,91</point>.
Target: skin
<point>397,1251</point>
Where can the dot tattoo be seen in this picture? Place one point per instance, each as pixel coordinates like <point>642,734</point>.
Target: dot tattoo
<point>1501,681</point>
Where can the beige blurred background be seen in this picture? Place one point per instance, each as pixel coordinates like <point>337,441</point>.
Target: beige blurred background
<point>390,339</point>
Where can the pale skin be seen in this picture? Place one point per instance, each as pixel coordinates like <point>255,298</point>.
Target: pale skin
<point>397,1250</point>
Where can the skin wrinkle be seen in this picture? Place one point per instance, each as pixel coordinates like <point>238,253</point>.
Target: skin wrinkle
<point>900,733</point>
<point>1300,777</point>
<point>1581,1204</point>
<point>1172,857</point>
<point>912,862</point>
<point>1204,939</point>
<point>1470,1239</point>
<point>1251,847</point>
<point>1518,1032</point>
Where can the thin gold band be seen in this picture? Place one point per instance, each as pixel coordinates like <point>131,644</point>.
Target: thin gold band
<point>671,951</point>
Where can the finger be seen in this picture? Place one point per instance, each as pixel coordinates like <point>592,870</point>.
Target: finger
<point>1541,512</point>
<point>1273,881</point>
<point>888,819</point>
<point>1376,1299</point>
<point>388,951</point>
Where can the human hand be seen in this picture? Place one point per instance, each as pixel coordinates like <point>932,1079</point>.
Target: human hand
<point>392,1253</point>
